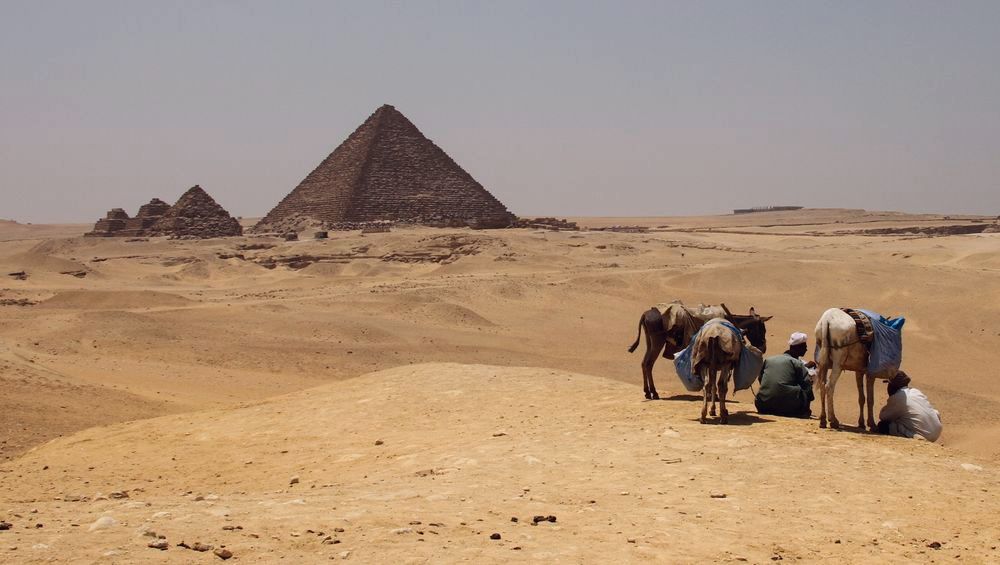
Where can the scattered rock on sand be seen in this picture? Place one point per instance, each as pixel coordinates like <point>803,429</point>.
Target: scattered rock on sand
<point>494,535</point>
<point>103,523</point>
<point>198,546</point>
<point>718,495</point>
<point>160,544</point>
<point>118,494</point>
<point>223,553</point>
<point>294,480</point>
<point>6,525</point>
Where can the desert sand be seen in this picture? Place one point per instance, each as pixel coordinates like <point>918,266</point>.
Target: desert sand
<point>419,389</point>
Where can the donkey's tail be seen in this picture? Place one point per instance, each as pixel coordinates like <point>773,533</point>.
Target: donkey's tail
<point>824,348</point>
<point>639,336</point>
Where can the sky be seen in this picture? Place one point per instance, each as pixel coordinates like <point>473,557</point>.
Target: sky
<point>574,108</point>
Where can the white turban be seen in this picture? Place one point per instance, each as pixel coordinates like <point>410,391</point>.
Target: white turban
<point>797,338</point>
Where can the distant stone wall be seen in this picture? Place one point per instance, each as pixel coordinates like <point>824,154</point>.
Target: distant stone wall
<point>766,209</point>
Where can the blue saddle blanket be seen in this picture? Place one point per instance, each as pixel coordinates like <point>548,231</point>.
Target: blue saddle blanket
<point>886,352</point>
<point>744,374</point>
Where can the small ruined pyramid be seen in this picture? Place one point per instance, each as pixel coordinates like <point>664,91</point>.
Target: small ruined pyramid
<point>196,214</point>
<point>387,171</point>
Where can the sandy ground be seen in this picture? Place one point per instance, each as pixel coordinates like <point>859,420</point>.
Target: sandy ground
<point>207,336</point>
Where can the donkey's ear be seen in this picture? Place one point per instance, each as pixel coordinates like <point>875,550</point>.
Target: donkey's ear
<point>766,318</point>
<point>752,311</point>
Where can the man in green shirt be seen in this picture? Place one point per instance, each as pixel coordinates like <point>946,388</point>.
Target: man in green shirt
<point>786,382</point>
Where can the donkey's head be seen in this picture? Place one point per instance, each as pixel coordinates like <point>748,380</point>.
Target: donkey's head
<point>753,327</point>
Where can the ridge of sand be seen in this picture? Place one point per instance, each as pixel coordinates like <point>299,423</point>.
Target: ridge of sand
<point>114,300</point>
<point>423,463</point>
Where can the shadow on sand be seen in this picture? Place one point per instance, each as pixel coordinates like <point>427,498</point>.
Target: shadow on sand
<point>697,397</point>
<point>738,419</point>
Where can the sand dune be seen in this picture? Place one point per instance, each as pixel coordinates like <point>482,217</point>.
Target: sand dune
<point>201,332</point>
<point>113,299</point>
<point>427,462</point>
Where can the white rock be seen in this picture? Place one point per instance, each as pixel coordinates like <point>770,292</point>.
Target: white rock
<point>971,467</point>
<point>103,523</point>
<point>401,531</point>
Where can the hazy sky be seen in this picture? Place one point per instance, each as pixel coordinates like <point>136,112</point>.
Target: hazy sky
<point>558,108</point>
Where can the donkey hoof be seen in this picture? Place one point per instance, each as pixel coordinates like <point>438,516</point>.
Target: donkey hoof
<point>649,396</point>
<point>835,424</point>
<point>703,420</point>
<point>655,396</point>
<point>822,424</point>
<point>712,413</point>
<point>872,426</point>
<point>724,419</point>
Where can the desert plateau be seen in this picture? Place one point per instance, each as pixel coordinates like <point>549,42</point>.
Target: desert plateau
<point>459,395</point>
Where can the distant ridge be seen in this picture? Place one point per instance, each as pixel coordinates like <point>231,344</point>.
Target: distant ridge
<point>387,171</point>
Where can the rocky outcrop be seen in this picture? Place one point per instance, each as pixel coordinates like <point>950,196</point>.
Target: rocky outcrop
<point>196,214</point>
<point>387,171</point>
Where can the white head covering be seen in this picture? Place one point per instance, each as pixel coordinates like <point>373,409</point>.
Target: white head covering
<point>797,338</point>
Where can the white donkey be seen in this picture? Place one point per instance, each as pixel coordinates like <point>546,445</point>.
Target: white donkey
<point>839,349</point>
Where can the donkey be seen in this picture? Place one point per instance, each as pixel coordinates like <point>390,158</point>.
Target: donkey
<point>838,348</point>
<point>670,327</point>
<point>716,353</point>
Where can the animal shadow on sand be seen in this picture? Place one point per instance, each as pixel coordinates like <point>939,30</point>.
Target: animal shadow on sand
<point>851,429</point>
<point>741,418</point>
<point>697,397</point>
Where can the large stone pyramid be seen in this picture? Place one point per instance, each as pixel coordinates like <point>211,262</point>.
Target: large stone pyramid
<point>196,214</point>
<point>387,171</point>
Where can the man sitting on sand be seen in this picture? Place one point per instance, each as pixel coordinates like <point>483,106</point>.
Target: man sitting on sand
<point>908,413</point>
<point>786,382</point>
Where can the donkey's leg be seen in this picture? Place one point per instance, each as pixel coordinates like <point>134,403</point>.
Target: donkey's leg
<point>715,393</point>
<point>870,385</point>
<point>831,389</point>
<point>723,389</point>
<point>821,376</point>
<point>654,343</point>
<point>860,377</point>
<point>709,381</point>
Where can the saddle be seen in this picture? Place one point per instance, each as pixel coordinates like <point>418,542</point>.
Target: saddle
<point>866,333</point>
